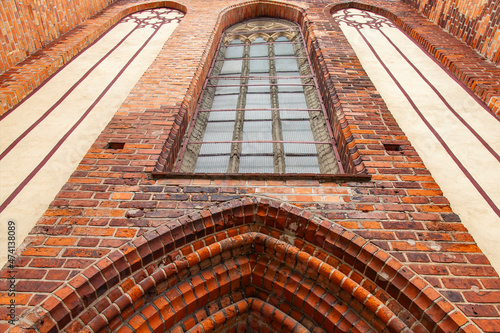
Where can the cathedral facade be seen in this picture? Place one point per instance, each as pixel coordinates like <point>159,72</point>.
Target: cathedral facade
<point>250,165</point>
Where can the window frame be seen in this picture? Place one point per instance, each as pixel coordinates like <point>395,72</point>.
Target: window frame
<point>331,142</point>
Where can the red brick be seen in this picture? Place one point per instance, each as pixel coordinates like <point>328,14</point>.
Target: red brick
<point>400,203</point>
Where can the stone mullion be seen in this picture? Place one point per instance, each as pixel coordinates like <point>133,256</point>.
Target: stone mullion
<point>234,160</point>
<point>326,156</point>
<point>277,133</point>
<point>190,157</point>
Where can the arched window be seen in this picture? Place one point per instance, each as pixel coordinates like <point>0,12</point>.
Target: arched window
<point>260,111</point>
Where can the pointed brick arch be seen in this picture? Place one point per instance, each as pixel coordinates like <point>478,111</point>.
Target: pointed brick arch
<point>241,258</point>
<point>247,10</point>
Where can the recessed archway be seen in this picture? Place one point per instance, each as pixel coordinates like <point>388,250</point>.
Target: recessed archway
<point>239,12</point>
<point>228,263</point>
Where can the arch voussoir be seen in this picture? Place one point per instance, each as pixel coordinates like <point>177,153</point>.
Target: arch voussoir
<point>240,247</point>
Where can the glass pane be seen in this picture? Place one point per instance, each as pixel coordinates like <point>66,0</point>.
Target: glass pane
<point>231,67</point>
<point>282,39</point>
<point>224,102</point>
<point>290,73</point>
<point>282,88</point>
<point>300,148</point>
<point>235,41</point>
<point>282,49</point>
<point>258,101</point>
<point>259,50</point>
<point>256,148</point>
<point>257,115</point>
<point>296,130</point>
<point>301,164</point>
<point>292,101</point>
<point>212,164</point>
<point>259,66</point>
<point>215,149</point>
<point>285,80</point>
<point>219,131</point>
<point>227,90</point>
<point>286,65</point>
<point>222,115</point>
<point>257,131</point>
<point>256,164</point>
<point>234,52</point>
<point>264,88</point>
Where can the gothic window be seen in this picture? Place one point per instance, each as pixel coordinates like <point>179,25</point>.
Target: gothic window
<point>260,111</point>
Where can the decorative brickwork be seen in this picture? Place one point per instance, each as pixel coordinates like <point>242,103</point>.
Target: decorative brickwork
<point>476,23</point>
<point>18,81</point>
<point>118,248</point>
<point>27,26</point>
<point>209,269</point>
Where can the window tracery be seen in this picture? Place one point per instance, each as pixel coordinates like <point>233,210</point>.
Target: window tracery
<point>260,111</point>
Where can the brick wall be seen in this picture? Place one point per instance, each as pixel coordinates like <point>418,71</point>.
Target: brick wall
<point>18,82</point>
<point>387,252</point>
<point>476,23</point>
<point>27,26</point>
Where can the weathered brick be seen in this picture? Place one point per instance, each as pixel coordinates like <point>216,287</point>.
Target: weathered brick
<point>400,210</point>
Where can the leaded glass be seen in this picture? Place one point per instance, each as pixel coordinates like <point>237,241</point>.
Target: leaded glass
<point>260,111</point>
<point>225,102</point>
<point>286,64</point>
<point>284,49</point>
<point>257,131</point>
<point>296,129</point>
<point>303,164</point>
<point>259,66</point>
<point>212,164</point>
<point>256,164</point>
<point>219,131</point>
<point>232,67</point>
<point>258,101</point>
<point>234,52</point>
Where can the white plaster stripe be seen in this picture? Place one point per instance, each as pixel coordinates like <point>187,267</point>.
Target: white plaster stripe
<point>477,214</point>
<point>33,199</point>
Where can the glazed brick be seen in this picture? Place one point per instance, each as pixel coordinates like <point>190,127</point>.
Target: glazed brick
<point>37,286</point>
<point>479,310</point>
<point>482,296</point>
<point>488,325</point>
